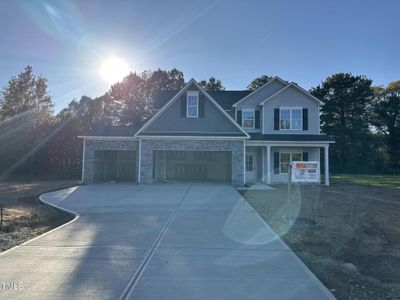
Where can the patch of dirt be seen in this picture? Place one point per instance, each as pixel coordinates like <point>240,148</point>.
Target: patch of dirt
<point>354,246</point>
<point>24,216</point>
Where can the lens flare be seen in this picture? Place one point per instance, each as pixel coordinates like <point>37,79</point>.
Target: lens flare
<point>114,69</point>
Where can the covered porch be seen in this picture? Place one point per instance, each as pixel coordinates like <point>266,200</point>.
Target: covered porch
<point>268,162</point>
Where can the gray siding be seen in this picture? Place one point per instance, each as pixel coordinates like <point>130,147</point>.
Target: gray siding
<point>291,97</point>
<point>214,121</point>
<point>261,94</point>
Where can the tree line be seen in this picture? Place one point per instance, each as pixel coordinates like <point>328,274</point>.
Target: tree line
<point>364,119</point>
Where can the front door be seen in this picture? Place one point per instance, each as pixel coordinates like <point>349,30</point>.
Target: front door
<point>251,169</point>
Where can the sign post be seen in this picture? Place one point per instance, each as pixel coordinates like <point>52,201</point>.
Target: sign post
<point>305,172</point>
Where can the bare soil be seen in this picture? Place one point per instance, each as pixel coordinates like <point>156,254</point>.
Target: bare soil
<point>25,216</point>
<point>352,240</point>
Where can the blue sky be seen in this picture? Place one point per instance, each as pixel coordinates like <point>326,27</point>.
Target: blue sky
<point>235,41</point>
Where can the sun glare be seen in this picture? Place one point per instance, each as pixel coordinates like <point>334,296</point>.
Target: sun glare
<point>114,69</point>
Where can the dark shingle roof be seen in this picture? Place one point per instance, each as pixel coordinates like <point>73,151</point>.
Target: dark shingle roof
<point>128,131</point>
<point>291,137</point>
<point>224,98</point>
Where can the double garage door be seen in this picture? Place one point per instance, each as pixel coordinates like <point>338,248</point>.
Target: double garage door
<point>209,166</point>
<point>114,165</point>
<point>168,165</point>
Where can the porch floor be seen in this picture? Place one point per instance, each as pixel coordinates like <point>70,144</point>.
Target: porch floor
<point>257,186</point>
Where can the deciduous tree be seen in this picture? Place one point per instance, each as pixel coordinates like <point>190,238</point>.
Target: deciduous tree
<point>212,84</point>
<point>258,82</point>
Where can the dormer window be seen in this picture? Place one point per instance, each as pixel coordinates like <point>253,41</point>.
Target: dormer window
<point>192,104</point>
<point>248,118</point>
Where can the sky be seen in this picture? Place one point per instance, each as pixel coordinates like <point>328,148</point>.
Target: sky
<point>235,41</point>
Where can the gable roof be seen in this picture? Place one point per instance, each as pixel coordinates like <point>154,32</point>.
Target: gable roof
<point>275,78</point>
<point>241,132</point>
<point>296,87</point>
<point>225,99</point>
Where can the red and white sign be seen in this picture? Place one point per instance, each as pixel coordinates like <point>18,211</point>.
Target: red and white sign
<point>305,171</point>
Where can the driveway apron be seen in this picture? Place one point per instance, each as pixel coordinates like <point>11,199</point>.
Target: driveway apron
<point>166,241</point>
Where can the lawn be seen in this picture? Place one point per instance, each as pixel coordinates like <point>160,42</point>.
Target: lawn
<point>373,180</point>
<point>24,215</point>
<point>354,247</point>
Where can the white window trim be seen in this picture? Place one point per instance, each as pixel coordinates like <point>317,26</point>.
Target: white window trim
<point>188,94</point>
<point>290,158</point>
<point>252,162</point>
<point>254,118</point>
<point>290,108</point>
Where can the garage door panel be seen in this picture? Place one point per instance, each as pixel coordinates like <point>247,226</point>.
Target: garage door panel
<point>117,165</point>
<point>214,166</point>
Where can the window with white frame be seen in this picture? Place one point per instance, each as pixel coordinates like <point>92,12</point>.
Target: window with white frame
<point>291,118</point>
<point>285,158</point>
<point>248,118</point>
<point>249,163</point>
<point>192,104</point>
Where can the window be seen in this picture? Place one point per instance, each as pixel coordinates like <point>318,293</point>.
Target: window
<point>291,118</point>
<point>285,158</point>
<point>249,163</point>
<point>192,104</point>
<point>285,118</point>
<point>248,118</point>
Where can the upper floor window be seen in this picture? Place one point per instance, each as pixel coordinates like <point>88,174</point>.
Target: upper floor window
<point>291,118</point>
<point>192,104</point>
<point>248,118</point>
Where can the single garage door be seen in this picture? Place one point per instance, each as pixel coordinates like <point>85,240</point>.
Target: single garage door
<point>114,165</point>
<point>210,166</point>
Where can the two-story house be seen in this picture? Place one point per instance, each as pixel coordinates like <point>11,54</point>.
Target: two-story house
<point>235,137</point>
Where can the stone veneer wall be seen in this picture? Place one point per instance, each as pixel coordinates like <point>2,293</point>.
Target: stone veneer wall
<point>91,145</point>
<point>235,146</point>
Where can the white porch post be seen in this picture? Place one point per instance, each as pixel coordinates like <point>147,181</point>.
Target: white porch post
<point>326,160</point>
<point>268,164</point>
<point>262,165</point>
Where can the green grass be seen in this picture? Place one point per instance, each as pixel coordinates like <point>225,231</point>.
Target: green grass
<point>373,180</point>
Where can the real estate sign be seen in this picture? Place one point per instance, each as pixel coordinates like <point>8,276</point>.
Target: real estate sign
<point>305,171</point>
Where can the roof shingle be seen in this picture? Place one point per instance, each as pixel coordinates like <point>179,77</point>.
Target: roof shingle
<point>120,131</point>
<point>291,137</point>
<point>224,98</point>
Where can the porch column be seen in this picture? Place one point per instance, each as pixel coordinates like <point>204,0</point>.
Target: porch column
<point>262,165</point>
<point>326,160</point>
<point>268,164</point>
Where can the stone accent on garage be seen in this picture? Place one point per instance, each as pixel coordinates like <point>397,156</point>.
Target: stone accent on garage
<point>235,146</point>
<point>92,145</point>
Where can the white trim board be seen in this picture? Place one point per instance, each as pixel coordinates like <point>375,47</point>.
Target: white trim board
<point>169,103</point>
<point>188,137</point>
<point>264,85</point>
<point>288,144</point>
<point>298,88</point>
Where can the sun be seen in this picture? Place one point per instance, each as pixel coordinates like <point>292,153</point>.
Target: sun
<point>114,69</point>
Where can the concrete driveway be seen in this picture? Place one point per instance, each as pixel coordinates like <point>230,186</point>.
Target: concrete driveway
<point>169,241</point>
